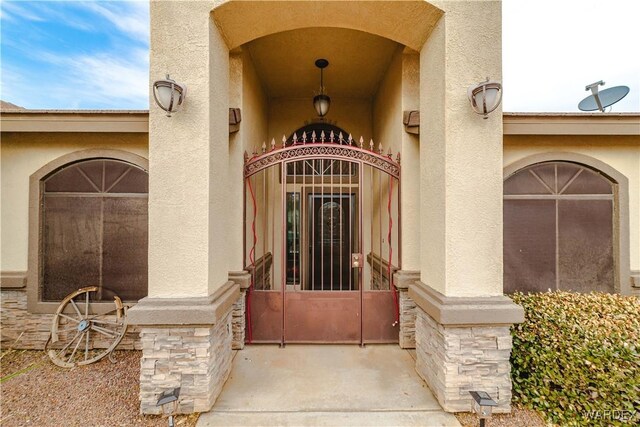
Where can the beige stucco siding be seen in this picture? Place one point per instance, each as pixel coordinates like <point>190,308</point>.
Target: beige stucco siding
<point>24,153</point>
<point>461,154</point>
<point>621,153</point>
<point>287,115</point>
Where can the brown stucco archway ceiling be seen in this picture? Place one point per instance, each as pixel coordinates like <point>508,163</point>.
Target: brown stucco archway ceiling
<point>285,62</point>
<point>406,22</point>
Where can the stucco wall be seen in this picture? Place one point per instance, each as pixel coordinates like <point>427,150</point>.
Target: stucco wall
<point>245,92</point>
<point>461,154</point>
<point>387,106</point>
<point>287,115</point>
<point>619,152</point>
<point>388,131</point>
<point>23,154</point>
<point>188,182</point>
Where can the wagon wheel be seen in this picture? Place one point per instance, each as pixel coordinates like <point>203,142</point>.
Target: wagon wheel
<point>79,336</point>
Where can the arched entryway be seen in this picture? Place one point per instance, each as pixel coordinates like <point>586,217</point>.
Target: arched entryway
<point>322,240</point>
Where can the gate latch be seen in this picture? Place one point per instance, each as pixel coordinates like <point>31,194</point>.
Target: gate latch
<point>356,261</point>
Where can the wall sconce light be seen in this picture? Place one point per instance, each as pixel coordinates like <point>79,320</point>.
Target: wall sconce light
<point>169,94</point>
<point>321,101</point>
<point>485,96</point>
<point>411,121</point>
<point>168,401</point>
<point>482,405</point>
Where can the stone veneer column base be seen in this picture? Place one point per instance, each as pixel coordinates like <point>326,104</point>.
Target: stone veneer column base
<point>187,343</point>
<point>464,344</point>
<point>239,313</point>
<point>402,279</point>
<point>197,359</point>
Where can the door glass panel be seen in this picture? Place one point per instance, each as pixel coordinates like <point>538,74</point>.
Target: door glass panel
<point>331,226</point>
<point>293,239</point>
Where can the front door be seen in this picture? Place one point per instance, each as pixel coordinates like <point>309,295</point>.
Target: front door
<point>322,237</point>
<point>330,224</point>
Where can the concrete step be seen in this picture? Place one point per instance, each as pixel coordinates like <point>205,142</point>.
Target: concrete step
<point>357,418</point>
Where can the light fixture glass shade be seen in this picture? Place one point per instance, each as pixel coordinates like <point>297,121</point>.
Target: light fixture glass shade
<point>321,103</point>
<point>169,94</point>
<point>485,97</point>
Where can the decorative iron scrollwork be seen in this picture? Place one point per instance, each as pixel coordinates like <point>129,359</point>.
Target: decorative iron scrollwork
<point>329,151</point>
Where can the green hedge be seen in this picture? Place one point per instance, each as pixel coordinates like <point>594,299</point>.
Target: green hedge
<point>576,357</point>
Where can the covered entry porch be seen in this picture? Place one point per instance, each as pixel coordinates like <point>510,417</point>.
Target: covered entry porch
<point>387,57</point>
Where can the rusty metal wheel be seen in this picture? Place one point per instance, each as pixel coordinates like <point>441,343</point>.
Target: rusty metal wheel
<point>80,334</point>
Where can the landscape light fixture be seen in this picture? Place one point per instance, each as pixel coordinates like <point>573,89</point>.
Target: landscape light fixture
<point>485,97</point>
<point>168,400</point>
<point>169,94</point>
<point>321,101</point>
<point>482,405</point>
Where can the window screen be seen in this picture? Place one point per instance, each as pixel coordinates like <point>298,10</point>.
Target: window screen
<point>94,230</point>
<point>558,229</point>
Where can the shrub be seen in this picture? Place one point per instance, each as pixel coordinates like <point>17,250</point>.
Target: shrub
<point>576,357</point>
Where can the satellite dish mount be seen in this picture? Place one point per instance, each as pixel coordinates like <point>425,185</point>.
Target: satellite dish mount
<point>601,100</point>
<point>594,91</point>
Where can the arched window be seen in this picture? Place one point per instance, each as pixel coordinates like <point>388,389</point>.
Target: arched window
<point>558,229</point>
<point>93,230</point>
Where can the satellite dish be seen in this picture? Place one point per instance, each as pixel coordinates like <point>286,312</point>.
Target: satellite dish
<point>601,100</point>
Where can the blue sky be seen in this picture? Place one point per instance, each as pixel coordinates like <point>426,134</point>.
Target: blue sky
<point>95,54</point>
<point>75,55</point>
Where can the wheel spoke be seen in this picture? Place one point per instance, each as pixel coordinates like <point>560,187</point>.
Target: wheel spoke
<point>104,331</point>
<point>74,350</point>
<point>75,307</point>
<point>106,322</point>
<point>86,345</point>
<point>67,346</point>
<point>68,317</point>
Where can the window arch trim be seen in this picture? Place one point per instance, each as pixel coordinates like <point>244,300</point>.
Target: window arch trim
<point>36,194</point>
<point>621,205</point>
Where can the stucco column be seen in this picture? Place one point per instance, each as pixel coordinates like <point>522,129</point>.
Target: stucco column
<point>462,319</point>
<point>461,154</point>
<point>188,154</point>
<point>188,321</point>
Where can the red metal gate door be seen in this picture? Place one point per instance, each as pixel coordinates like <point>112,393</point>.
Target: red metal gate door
<point>322,241</point>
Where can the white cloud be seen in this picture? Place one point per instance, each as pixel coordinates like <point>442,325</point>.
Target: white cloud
<point>131,18</point>
<point>12,10</point>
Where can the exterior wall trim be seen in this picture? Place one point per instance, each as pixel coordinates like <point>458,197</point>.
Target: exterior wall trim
<point>137,121</point>
<point>34,305</point>
<point>621,206</point>
<point>75,121</point>
<point>13,279</point>
<point>571,124</point>
<point>185,311</point>
<point>465,311</point>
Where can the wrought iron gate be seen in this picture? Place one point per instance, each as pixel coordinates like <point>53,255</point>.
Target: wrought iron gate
<point>322,241</point>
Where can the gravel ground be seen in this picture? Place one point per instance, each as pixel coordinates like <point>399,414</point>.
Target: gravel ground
<point>35,392</point>
<point>518,417</point>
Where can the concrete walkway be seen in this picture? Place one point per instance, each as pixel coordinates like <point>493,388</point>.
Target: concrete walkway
<point>325,385</point>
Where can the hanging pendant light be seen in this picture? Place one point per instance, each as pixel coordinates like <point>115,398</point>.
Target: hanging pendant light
<point>321,102</point>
